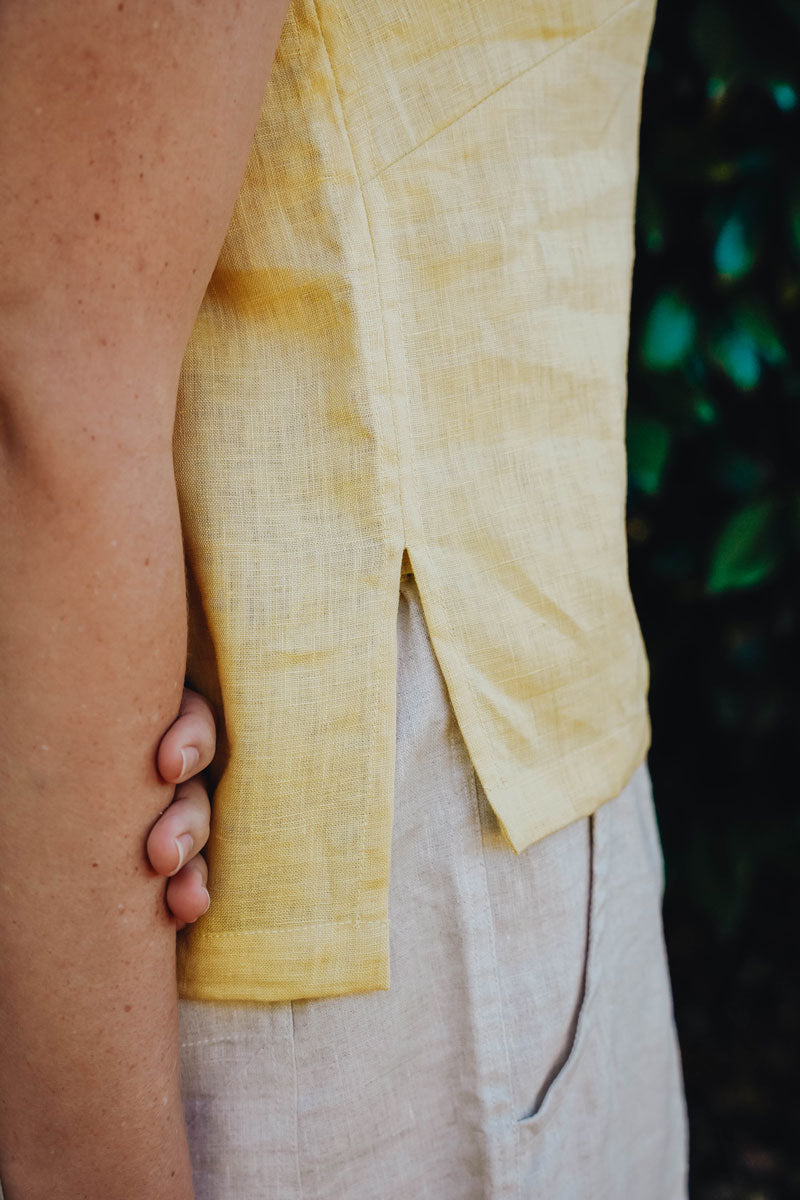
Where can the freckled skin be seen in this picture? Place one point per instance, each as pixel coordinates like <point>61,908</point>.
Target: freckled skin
<point>92,333</point>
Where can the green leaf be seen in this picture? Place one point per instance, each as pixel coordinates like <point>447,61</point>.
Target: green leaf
<point>734,249</point>
<point>669,333</point>
<point>705,411</point>
<point>756,322</point>
<point>716,88</point>
<point>748,550</point>
<point>749,341</point>
<point>784,96</point>
<point>648,449</point>
<point>736,353</point>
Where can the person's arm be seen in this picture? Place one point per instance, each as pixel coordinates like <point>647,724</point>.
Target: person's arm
<point>124,131</point>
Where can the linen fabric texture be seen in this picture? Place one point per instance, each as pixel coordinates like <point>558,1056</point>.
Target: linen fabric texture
<point>526,1047</point>
<point>415,340</point>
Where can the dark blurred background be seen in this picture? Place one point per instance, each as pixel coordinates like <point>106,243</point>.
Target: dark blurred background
<point>714,538</point>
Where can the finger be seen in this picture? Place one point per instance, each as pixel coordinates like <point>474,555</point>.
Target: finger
<point>188,745</point>
<point>187,896</point>
<point>182,829</point>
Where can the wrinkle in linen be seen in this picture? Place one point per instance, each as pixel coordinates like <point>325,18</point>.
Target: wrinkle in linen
<point>415,339</point>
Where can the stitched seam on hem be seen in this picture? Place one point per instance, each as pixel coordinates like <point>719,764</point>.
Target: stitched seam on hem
<point>229,933</point>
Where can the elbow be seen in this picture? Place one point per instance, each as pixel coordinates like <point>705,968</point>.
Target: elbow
<point>62,444</point>
<point>75,404</point>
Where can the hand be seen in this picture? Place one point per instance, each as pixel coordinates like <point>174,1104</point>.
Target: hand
<point>179,834</point>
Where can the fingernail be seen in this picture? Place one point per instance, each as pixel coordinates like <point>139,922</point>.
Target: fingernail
<point>185,844</point>
<point>190,757</point>
<point>205,910</point>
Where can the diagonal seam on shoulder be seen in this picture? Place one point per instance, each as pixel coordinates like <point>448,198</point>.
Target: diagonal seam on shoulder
<point>506,83</point>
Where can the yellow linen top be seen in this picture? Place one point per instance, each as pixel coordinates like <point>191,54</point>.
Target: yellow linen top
<point>415,338</point>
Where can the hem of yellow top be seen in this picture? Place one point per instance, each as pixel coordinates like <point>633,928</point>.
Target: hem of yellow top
<point>345,957</point>
<point>524,830</point>
<point>352,956</point>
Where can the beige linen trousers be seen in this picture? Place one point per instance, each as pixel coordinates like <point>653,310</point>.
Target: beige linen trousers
<point>526,1046</point>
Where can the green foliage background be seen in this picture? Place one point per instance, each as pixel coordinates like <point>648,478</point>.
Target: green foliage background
<point>714,537</point>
